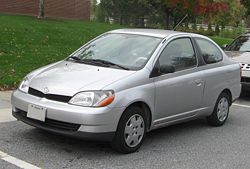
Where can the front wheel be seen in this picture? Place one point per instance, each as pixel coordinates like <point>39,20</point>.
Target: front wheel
<point>131,130</point>
<point>221,111</point>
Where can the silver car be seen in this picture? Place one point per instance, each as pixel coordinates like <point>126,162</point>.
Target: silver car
<point>128,82</point>
<point>239,50</point>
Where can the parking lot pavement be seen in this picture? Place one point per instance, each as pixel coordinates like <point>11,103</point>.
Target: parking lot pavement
<point>244,100</point>
<point>5,99</point>
<point>189,145</point>
<point>5,107</point>
<point>6,165</point>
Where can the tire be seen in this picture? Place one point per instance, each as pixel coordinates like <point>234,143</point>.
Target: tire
<point>221,111</point>
<point>131,130</point>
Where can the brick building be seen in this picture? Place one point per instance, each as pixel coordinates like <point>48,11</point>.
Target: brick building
<point>75,9</point>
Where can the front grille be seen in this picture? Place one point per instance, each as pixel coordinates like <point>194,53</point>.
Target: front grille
<point>245,66</point>
<point>59,98</point>
<point>49,123</point>
<point>245,79</point>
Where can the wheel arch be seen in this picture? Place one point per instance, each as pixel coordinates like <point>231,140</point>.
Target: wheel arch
<point>229,93</point>
<point>143,105</point>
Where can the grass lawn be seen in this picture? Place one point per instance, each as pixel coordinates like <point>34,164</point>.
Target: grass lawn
<point>221,41</point>
<point>27,43</point>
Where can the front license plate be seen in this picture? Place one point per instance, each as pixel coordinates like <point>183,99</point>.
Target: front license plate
<point>36,112</point>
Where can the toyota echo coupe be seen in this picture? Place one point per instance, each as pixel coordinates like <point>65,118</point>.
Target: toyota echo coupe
<point>127,82</point>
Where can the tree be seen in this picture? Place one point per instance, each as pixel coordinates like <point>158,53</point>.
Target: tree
<point>237,12</point>
<point>93,9</point>
<point>246,4</point>
<point>177,9</point>
<point>100,14</point>
<point>167,9</point>
<point>212,12</point>
<point>168,13</point>
<point>127,11</point>
<point>41,9</point>
<point>115,9</point>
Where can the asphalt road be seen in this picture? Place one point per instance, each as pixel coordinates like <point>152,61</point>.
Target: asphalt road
<point>189,145</point>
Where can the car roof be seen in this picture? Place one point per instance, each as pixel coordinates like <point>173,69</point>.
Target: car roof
<point>160,33</point>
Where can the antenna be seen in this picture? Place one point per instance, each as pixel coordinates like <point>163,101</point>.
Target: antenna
<point>180,21</point>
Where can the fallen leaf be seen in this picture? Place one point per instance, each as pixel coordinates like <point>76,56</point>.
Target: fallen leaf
<point>12,71</point>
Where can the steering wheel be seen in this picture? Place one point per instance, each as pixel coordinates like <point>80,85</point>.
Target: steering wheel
<point>140,61</point>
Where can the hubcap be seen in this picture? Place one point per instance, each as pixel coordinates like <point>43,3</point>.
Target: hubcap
<point>222,109</point>
<point>134,130</point>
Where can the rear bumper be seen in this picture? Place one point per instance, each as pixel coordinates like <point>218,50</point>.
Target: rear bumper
<point>245,86</point>
<point>245,83</point>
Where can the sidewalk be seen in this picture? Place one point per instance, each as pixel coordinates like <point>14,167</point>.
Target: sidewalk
<point>5,107</point>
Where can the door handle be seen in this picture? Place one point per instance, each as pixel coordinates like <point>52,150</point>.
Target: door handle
<point>198,82</point>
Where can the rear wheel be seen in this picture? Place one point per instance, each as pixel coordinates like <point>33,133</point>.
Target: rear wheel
<point>221,111</point>
<point>131,130</point>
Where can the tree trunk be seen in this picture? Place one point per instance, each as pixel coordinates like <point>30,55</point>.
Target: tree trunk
<point>166,18</point>
<point>176,20</point>
<point>222,26</point>
<point>141,22</point>
<point>121,20</point>
<point>41,9</point>
<point>248,21</point>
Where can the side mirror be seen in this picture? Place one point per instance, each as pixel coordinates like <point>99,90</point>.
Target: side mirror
<point>165,69</point>
<point>224,46</point>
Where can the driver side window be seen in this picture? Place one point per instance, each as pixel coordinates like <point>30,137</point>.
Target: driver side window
<point>180,54</point>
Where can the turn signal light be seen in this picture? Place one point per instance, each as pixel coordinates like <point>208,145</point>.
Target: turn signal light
<point>106,101</point>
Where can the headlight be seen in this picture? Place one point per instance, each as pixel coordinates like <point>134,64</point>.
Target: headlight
<point>93,98</point>
<point>24,86</point>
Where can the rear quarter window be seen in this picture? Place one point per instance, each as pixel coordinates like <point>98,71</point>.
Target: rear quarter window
<point>210,52</point>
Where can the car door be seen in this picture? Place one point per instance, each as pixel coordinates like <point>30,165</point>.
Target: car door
<point>216,73</point>
<point>179,94</point>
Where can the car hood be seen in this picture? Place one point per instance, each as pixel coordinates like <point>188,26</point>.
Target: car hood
<point>242,57</point>
<point>68,78</point>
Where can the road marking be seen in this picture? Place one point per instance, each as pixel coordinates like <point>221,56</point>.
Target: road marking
<point>241,105</point>
<point>17,162</point>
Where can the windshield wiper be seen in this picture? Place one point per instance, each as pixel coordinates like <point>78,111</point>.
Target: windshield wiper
<point>74,58</point>
<point>96,62</point>
<point>104,62</point>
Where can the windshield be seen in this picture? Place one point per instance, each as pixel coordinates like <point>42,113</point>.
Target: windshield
<point>241,44</point>
<point>121,50</point>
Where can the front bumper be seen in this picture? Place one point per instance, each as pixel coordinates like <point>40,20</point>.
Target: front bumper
<point>66,119</point>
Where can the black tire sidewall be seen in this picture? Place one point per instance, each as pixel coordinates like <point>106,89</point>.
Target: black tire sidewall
<point>119,142</point>
<point>214,119</point>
